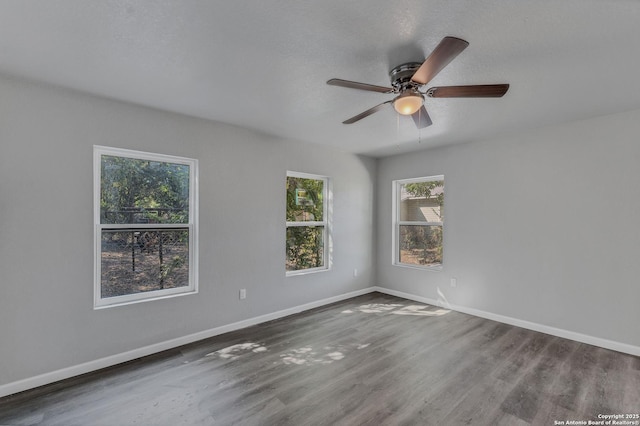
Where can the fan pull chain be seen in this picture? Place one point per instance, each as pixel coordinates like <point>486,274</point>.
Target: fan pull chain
<point>420,129</point>
<point>398,131</point>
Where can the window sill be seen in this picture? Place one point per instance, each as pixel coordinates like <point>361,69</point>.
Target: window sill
<point>306,272</point>
<point>128,301</point>
<point>434,268</point>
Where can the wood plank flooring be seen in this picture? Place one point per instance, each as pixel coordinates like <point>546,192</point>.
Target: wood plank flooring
<point>371,360</point>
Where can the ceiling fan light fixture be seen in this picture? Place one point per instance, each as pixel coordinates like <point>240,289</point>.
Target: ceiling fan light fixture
<point>408,102</point>
<point>408,78</point>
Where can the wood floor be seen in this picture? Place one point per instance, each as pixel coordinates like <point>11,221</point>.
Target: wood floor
<point>371,360</point>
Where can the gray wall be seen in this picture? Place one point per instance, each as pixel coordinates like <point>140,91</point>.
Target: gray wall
<point>46,236</point>
<point>542,227</point>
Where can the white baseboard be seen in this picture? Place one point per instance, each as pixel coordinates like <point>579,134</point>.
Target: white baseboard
<point>65,373</point>
<point>571,335</point>
<point>76,370</point>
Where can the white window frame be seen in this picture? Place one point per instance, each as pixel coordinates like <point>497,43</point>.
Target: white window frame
<point>325,223</point>
<point>397,184</point>
<point>192,226</point>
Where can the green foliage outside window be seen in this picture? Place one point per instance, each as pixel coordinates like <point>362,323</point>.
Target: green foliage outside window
<point>304,243</point>
<point>422,244</point>
<point>307,207</point>
<point>143,191</point>
<point>137,192</point>
<point>427,190</point>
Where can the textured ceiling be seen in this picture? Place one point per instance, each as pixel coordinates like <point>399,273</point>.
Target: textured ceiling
<point>264,64</point>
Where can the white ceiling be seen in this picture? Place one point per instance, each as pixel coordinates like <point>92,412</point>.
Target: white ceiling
<point>264,64</point>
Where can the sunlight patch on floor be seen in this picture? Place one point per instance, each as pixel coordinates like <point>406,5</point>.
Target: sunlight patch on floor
<point>421,310</point>
<point>235,351</point>
<point>328,354</point>
<point>399,309</point>
<point>374,308</point>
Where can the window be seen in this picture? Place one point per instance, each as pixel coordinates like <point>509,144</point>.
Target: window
<point>418,219</point>
<point>307,223</point>
<point>145,220</point>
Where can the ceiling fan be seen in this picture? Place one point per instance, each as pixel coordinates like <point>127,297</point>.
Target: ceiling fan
<point>407,79</point>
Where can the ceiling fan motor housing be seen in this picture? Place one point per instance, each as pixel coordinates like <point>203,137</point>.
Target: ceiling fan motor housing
<point>401,76</point>
<point>408,78</point>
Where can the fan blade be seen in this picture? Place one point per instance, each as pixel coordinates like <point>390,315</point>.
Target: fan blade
<point>359,86</point>
<point>421,118</point>
<point>476,91</point>
<point>366,113</point>
<point>445,52</point>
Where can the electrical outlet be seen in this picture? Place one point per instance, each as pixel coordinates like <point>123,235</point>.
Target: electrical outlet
<point>454,282</point>
<point>355,272</point>
<point>243,293</point>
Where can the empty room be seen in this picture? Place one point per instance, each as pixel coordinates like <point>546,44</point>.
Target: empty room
<point>319,213</point>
